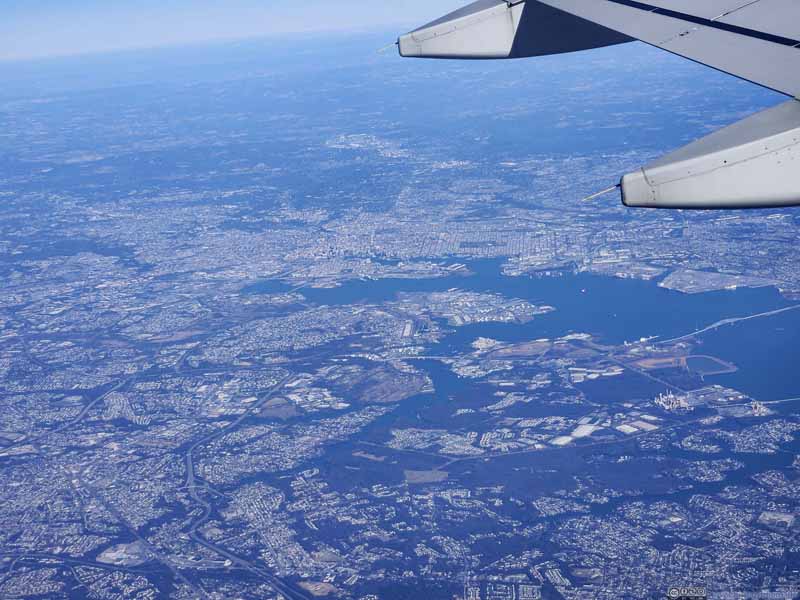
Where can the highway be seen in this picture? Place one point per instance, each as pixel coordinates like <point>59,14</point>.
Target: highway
<point>191,484</point>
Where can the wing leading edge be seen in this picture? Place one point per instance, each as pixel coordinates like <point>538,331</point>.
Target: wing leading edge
<point>754,163</point>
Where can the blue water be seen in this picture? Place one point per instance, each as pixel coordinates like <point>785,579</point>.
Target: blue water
<point>615,311</point>
<point>765,350</point>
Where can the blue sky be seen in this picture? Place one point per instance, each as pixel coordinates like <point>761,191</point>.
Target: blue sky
<point>39,28</point>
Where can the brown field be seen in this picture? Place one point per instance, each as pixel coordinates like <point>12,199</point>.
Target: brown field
<point>651,364</point>
<point>522,350</point>
<point>318,589</point>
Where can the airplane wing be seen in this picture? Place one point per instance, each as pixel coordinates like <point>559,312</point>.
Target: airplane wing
<point>753,163</point>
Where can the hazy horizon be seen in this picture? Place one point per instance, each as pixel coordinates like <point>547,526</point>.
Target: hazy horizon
<point>46,29</point>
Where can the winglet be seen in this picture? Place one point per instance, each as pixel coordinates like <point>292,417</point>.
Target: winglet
<point>505,29</point>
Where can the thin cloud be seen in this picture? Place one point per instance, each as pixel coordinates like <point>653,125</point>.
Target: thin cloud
<point>46,28</point>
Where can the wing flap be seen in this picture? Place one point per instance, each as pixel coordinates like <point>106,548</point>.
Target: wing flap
<point>706,9</point>
<point>758,56</point>
<point>776,17</point>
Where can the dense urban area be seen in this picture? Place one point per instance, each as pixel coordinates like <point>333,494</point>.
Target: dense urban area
<point>273,336</point>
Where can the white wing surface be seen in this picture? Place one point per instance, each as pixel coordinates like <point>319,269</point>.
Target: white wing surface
<point>756,41</point>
